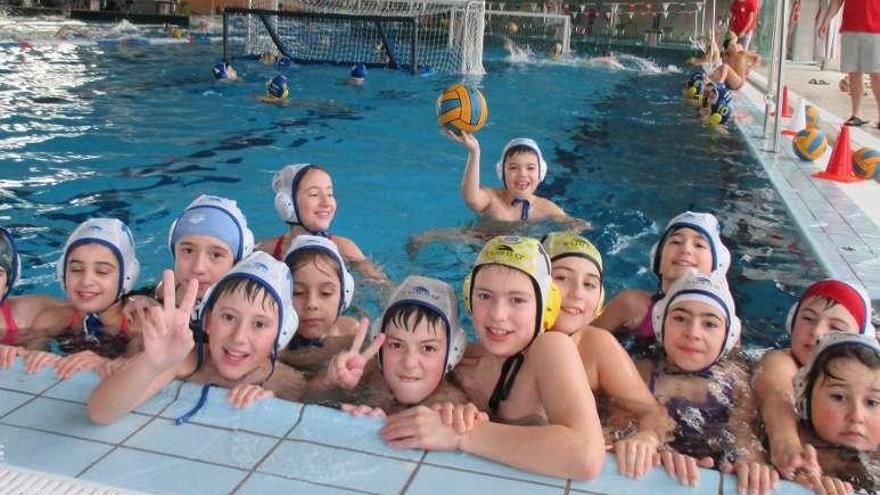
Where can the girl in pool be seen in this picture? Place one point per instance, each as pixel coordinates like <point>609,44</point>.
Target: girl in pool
<point>544,414</point>
<point>706,393</point>
<point>691,240</point>
<point>417,340</point>
<point>97,269</point>
<point>322,290</point>
<point>577,272</point>
<point>17,314</point>
<point>838,393</point>
<point>304,200</point>
<point>826,307</point>
<point>248,316</point>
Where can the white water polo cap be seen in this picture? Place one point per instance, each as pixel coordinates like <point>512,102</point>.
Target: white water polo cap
<point>710,289</point>
<point>10,261</point>
<point>275,278</point>
<point>215,217</point>
<point>528,143</point>
<point>285,183</point>
<point>704,223</point>
<point>115,236</point>
<point>851,296</point>
<point>528,256</point>
<point>830,340</point>
<point>437,296</point>
<point>303,243</point>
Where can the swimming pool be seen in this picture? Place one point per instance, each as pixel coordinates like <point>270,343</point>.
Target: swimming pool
<point>138,132</point>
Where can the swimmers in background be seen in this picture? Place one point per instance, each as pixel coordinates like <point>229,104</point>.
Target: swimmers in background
<point>837,392</point>
<point>826,307</point>
<point>304,200</point>
<point>267,58</point>
<point>98,267</point>
<point>322,290</point>
<point>17,314</point>
<point>248,316</point>
<point>417,340</point>
<point>691,240</point>
<point>543,412</point>
<point>521,169</point>
<point>706,392</point>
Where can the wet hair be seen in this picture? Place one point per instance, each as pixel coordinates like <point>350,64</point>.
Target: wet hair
<point>860,353</point>
<point>303,257</point>
<point>515,150</point>
<point>410,315</point>
<point>253,292</point>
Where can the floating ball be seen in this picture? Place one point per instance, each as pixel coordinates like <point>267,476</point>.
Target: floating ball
<point>866,163</point>
<point>462,108</point>
<point>809,144</point>
<point>811,113</point>
<point>512,27</point>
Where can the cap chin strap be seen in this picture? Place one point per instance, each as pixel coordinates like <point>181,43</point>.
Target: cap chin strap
<point>526,206</point>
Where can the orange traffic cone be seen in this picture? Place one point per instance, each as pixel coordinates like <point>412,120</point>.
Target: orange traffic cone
<point>786,105</point>
<point>840,165</point>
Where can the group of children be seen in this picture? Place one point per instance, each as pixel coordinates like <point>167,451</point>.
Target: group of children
<point>533,391</point>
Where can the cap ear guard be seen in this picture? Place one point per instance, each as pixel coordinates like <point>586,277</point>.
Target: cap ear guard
<point>552,307</point>
<point>284,184</point>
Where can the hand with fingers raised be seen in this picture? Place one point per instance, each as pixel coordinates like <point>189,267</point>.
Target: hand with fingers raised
<point>466,139</point>
<point>168,339</point>
<point>346,368</point>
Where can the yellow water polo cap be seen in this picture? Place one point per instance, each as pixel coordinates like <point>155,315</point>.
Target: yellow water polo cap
<point>528,256</point>
<point>561,244</point>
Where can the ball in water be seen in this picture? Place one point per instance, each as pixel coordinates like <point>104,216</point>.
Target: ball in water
<point>809,144</point>
<point>811,113</point>
<point>866,163</point>
<point>462,108</point>
<point>512,27</point>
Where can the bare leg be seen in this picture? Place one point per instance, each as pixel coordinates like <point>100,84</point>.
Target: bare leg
<point>875,87</point>
<point>856,87</point>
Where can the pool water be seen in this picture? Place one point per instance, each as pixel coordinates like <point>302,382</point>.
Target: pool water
<point>137,133</point>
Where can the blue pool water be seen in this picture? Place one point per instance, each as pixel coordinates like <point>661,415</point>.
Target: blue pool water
<point>138,132</point>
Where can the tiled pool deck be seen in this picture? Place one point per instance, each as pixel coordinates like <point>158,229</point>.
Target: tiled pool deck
<point>841,222</point>
<point>275,447</point>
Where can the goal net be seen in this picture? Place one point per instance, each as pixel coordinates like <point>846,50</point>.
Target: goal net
<point>441,35</point>
<point>536,31</point>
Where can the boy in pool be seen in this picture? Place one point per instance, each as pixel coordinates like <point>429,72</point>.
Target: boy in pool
<point>521,169</point>
<point>837,395</point>
<point>544,416</point>
<point>223,71</point>
<point>736,63</point>
<point>277,90</point>
<point>322,290</point>
<point>417,341</point>
<point>248,316</point>
<point>826,307</point>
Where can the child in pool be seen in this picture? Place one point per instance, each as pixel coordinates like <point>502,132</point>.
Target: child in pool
<point>544,414</point>
<point>223,71</point>
<point>838,392</point>
<point>322,290</point>
<point>706,393</point>
<point>277,90</point>
<point>248,316</point>
<point>691,240</point>
<point>577,272</point>
<point>418,341</point>
<point>521,169</point>
<point>98,267</point>
<point>304,200</point>
<point>17,314</point>
<point>828,306</point>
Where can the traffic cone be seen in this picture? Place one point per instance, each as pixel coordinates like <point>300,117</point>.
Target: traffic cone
<point>839,167</point>
<point>799,121</point>
<point>786,105</point>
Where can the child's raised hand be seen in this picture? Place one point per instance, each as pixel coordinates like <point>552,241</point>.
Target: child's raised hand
<point>76,362</point>
<point>167,337</point>
<point>244,395</point>
<point>363,410</point>
<point>465,138</point>
<point>683,467</point>
<point>462,417</point>
<point>347,367</point>
<point>753,477</point>
<point>35,361</point>
<point>8,354</point>
<point>635,454</point>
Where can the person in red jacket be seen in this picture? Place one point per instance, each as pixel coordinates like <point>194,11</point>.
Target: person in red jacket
<point>860,42</point>
<point>744,20</point>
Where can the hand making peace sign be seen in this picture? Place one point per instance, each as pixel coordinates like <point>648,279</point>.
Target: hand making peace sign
<point>347,367</point>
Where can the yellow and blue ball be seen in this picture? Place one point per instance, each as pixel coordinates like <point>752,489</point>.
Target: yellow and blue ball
<point>811,114</point>
<point>866,163</point>
<point>810,144</point>
<point>462,108</point>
